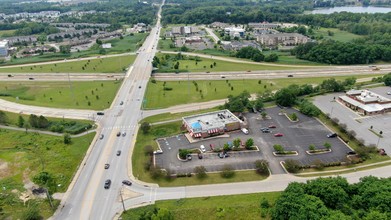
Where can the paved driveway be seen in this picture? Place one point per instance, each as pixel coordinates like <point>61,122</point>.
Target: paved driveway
<point>297,136</point>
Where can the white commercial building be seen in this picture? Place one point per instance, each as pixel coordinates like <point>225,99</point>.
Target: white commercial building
<point>3,48</point>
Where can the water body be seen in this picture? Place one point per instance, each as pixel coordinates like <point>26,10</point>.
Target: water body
<point>369,9</point>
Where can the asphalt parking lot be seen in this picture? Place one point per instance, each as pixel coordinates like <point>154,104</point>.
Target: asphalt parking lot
<point>296,136</point>
<point>360,124</point>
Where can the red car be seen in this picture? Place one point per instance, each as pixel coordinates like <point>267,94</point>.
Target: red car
<point>278,135</point>
<point>272,126</point>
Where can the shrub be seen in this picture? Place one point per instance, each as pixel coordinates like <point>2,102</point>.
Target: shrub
<point>183,153</point>
<point>293,117</point>
<point>200,172</point>
<point>261,166</point>
<point>156,172</point>
<point>292,166</point>
<point>278,148</point>
<point>148,150</point>
<point>67,139</point>
<point>318,164</point>
<point>249,143</point>
<point>227,171</point>
<point>311,147</point>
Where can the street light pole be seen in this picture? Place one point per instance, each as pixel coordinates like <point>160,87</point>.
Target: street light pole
<point>122,199</point>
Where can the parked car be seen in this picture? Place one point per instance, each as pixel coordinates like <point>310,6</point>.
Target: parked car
<point>118,133</point>
<point>223,154</point>
<point>107,166</point>
<point>212,146</point>
<point>203,149</point>
<point>200,156</point>
<point>351,153</point>
<point>272,126</point>
<point>121,103</point>
<point>389,93</point>
<point>265,130</point>
<point>124,134</point>
<point>158,152</point>
<point>118,153</point>
<point>244,130</point>
<point>127,182</point>
<point>278,135</point>
<point>332,135</point>
<point>107,184</point>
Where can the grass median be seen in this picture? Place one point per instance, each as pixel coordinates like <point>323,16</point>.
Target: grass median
<point>116,64</point>
<point>244,206</point>
<point>161,94</point>
<point>23,155</point>
<point>94,95</point>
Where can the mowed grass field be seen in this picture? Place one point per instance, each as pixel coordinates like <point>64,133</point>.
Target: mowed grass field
<point>23,155</point>
<point>94,95</point>
<point>185,92</point>
<point>5,33</point>
<point>139,159</point>
<point>127,44</point>
<point>207,65</point>
<point>116,64</point>
<point>339,35</point>
<point>244,206</point>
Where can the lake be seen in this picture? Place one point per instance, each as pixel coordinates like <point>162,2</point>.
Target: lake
<point>369,9</point>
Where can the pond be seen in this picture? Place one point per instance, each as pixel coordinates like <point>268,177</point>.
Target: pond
<point>369,9</point>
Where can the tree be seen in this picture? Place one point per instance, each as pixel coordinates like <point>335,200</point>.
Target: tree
<point>236,142</point>
<point>200,172</point>
<point>227,171</point>
<point>65,49</point>
<point>308,108</point>
<point>293,116</point>
<point>292,166</point>
<point>26,125</point>
<point>20,121</point>
<point>249,143</point>
<point>311,147</point>
<point>145,127</point>
<point>271,58</point>
<point>183,153</point>
<point>285,97</point>
<point>258,104</point>
<point>387,79</point>
<point>278,148</point>
<point>162,214</point>
<point>3,118</point>
<point>261,166</point>
<point>327,145</point>
<point>67,138</point>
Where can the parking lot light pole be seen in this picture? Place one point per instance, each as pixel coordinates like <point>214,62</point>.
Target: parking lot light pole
<point>378,141</point>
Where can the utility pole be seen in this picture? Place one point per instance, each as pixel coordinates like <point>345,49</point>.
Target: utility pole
<point>122,199</point>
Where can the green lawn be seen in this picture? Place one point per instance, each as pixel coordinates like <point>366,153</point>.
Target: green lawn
<point>6,33</point>
<point>94,95</point>
<point>186,92</point>
<point>103,65</point>
<point>127,44</point>
<point>139,159</point>
<point>23,155</point>
<point>207,65</point>
<point>244,206</point>
<point>287,58</point>
<point>169,116</point>
<point>165,45</point>
<point>339,35</point>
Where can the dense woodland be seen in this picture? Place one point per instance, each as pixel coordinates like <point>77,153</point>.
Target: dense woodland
<point>335,198</point>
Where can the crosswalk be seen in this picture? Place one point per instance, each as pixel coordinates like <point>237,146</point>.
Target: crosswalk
<point>123,127</point>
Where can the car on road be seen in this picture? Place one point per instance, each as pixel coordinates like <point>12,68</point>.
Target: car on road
<point>107,166</point>
<point>121,103</point>
<point>266,130</point>
<point>118,153</point>
<point>100,113</point>
<point>272,126</point>
<point>10,75</point>
<point>139,87</point>
<point>389,93</point>
<point>223,77</point>
<point>118,133</point>
<point>223,154</point>
<point>332,135</point>
<point>203,149</point>
<point>127,182</point>
<point>31,78</point>
<point>124,134</point>
<point>101,136</point>
<point>107,184</point>
<point>278,135</point>
<point>290,75</point>
<point>200,156</point>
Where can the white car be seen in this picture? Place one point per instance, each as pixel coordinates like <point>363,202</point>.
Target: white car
<point>389,93</point>
<point>245,131</point>
<point>203,149</point>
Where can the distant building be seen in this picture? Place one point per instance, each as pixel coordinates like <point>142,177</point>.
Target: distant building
<point>211,124</point>
<point>106,46</point>
<point>21,39</point>
<point>141,27</point>
<point>365,102</point>
<point>285,39</point>
<point>3,48</point>
<point>234,32</point>
<point>237,45</point>
<point>263,25</point>
<point>219,25</point>
<point>184,31</point>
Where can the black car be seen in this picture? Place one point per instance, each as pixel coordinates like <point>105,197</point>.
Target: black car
<point>100,113</point>
<point>101,136</point>
<point>107,166</point>
<point>121,103</point>
<point>332,135</point>
<point>31,78</point>
<point>290,75</point>
<point>127,182</point>
<point>118,134</point>
<point>118,153</point>
<point>266,130</point>
<point>107,184</point>
<point>351,153</point>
